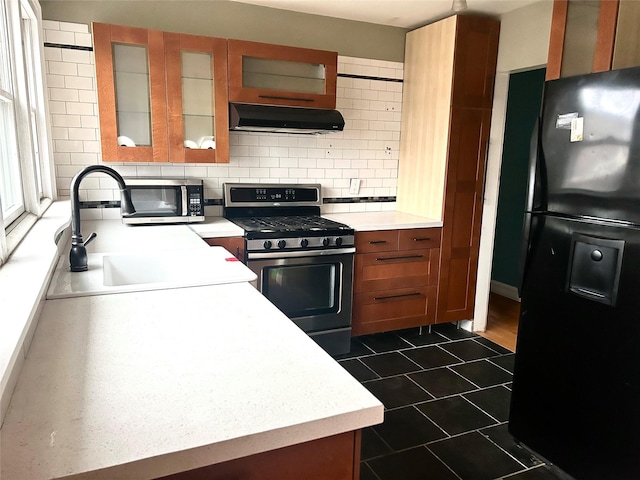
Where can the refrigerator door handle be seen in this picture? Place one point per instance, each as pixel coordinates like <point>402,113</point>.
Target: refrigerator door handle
<point>524,249</point>
<point>533,174</point>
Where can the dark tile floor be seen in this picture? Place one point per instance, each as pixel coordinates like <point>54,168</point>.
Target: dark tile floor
<point>446,396</point>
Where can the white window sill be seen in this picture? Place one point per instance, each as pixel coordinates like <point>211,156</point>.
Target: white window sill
<point>24,280</point>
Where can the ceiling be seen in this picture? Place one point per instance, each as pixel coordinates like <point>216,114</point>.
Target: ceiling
<point>396,13</point>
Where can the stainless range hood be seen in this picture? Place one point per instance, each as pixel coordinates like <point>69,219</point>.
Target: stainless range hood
<point>275,119</point>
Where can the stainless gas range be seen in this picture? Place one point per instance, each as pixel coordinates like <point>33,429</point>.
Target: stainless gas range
<point>304,262</point>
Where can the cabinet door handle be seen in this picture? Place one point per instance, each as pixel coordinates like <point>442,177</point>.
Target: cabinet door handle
<point>405,257</point>
<point>387,297</point>
<point>423,239</point>
<point>377,242</point>
<point>297,99</point>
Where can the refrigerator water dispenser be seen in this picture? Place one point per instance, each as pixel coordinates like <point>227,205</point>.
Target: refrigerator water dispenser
<point>594,268</point>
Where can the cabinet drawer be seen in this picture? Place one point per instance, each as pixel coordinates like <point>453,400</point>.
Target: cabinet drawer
<point>385,270</point>
<point>393,309</point>
<point>418,238</point>
<point>376,241</point>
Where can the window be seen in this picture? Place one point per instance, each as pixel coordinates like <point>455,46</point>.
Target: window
<point>25,176</point>
<point>11,183</point>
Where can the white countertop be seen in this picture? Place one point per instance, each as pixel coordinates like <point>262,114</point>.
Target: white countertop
<point>146,384</point>
<point>215,227</point>
<point>387,220</point>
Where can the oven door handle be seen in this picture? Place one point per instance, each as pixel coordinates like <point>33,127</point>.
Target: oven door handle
<point>300,253</point>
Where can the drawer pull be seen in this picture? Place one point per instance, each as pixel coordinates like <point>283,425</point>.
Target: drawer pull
<point>387,297</point>
<point>423,239</point>
<point>405,257</point>
<point>377,242</point>
<point>275,97</point>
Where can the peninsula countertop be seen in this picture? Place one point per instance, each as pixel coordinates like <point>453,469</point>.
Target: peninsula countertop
<point>145,384</point>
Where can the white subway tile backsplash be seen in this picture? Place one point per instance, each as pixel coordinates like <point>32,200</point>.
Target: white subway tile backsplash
<point>62,68</point>
<point>73,27</point>
<point>82,134</point>
<point>86,70</point>
<point>77,56</point>
<point>89,121</point>
<point>82,158</point>
<point>83,39</point>
<point>60,37</point>
<point>52,25</point>
<point>65,120</point>
<point>55,81</point>
<point>62,158</point>
<point>81,83</point>
<point>63,94</point>
<point>68,146</point>
<point>53,53</point>
<point>77,108</point>
<point>88,96</point>
<point>367,148</point>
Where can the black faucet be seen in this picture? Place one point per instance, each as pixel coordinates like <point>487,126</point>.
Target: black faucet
<point>78,253</point>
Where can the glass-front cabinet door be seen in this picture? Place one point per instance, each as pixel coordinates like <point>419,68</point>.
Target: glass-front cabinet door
<point>282,75</point>
<point>131,93</point>
<point>198,100</point>
<point>162,97</point>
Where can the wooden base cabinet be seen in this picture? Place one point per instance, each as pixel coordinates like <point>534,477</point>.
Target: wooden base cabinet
<point>395,278</point>
<point>235,245</point>
<point>330,458</point>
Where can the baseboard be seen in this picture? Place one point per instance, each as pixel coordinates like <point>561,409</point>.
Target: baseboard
<point>505,290</point>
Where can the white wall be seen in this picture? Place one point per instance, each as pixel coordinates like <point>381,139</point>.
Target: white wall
<point>366,149</point>
<point>523,45</point>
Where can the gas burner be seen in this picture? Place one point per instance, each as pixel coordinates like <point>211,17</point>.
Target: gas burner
<point>293,222</point>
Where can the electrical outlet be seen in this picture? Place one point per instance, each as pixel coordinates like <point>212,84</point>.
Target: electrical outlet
<point>354,186</point>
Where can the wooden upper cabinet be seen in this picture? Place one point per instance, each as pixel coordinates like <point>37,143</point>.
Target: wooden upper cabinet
<point>198,102</point>
<point>162,97</point>
<point>584,35</point>
<point>476,56</point>
<point>131,93</point>
<point>280,75</point>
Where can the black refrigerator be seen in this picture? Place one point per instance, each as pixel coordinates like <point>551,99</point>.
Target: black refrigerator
<point>576,384</point>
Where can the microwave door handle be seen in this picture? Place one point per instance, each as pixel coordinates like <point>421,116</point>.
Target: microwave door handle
<point>185,206</point>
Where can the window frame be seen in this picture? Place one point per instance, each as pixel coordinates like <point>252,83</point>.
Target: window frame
<point>31,116</point>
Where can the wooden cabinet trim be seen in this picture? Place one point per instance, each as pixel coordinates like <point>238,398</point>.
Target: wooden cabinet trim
<point>606,35</point>
<point>556,38</point>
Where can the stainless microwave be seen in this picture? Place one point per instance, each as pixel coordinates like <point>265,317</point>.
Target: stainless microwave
<point>165,200</point>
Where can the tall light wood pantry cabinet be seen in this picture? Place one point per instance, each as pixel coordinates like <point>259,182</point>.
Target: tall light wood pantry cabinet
<point>446,113</point>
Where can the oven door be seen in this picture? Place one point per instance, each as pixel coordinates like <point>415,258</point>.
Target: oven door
<point>314,289</point>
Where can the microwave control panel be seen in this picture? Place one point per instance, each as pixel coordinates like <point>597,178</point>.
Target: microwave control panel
<point>195,199</point>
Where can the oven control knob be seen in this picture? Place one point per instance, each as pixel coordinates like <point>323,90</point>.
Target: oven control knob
<point>338,241</point>
<point>325,242</point>
<point>304,243</point>
<point>281,244</point>
<point>267,244</point>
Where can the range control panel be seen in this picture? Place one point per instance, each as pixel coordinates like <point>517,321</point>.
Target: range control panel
<point>237,195</point>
